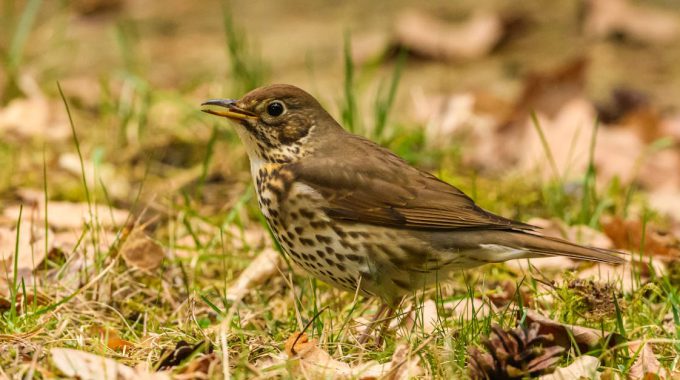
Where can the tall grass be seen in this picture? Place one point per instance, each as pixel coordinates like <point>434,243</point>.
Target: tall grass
<point>349,105</point>
<point>383,100</point>
<point>583,207</point>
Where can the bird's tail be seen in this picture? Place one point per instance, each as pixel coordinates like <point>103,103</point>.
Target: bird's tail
<point>541,246</point>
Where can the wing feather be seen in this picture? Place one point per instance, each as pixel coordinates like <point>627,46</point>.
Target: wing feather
<point>374,186</point>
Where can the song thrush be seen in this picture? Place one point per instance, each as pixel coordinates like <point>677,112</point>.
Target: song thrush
<point>355,215</point>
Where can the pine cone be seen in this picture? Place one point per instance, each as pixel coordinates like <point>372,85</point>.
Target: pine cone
<point>514,354</point>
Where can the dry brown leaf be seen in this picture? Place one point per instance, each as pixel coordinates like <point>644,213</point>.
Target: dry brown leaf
<point>605,18</point>
<point>667,202</point>
<point>403,365</point>
<point>200,367</point>
<point>34,117</point>
<point>586,338</point>
<point>431,37</point>
<point>421,318</point>
<point>113,340</point>
<point>584,367</point>
<point>85,366</point>
<point>546,92</point>
<point>310,361</point>
<point>646,363</point>
<point>141,252</point>
<point>623,101</point>
<point>660,174</point>
<point>39,299</point>
<point>632,236</point>
<point>670,126</point>
<point>556,97</point>
<point>31,250</point>
<point>452,117</point>
<point>262,268</point>
<point>71,215</point>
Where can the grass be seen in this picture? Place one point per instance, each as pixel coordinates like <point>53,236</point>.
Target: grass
<point>191,181</point>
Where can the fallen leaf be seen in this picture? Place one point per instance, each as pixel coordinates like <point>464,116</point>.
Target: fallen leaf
<point>623,101</point>
<point>585,337</point>
<point>29,251</point>
<point>605,18</point>
<point>421,318</point>
<point>70,215</point>
<point>428,36</point>
<point>646,363</point>
<point>546,92</point>
<point>666,202</point>
<point>86,366</point>
<point>569,136</point>
<point>403,365</point>
<point>452,117</point>
<point>201,367</point>
<point>39,299</point>
<point>262,268</point>
<point>310,361</point>
<point>659,173</point>
<point>35,117</point>
<point>113,340</point>
<point>557,98</point>
<point>141,252</point>
<point>633,235</point>
<point>584,367</point>
<point>670,126</point>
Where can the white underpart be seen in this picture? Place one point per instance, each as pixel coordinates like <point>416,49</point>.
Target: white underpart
<point>302,188</point>
<point>497,253</point>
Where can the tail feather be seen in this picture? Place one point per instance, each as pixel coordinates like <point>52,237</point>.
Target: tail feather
<point>541,246</point>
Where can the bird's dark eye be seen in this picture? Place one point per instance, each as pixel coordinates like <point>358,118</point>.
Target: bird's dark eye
<point>275,108</point>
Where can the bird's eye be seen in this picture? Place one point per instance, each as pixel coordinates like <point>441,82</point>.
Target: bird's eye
<point>275,108</point>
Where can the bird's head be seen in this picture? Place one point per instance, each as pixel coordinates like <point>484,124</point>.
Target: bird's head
<point>276,123</point>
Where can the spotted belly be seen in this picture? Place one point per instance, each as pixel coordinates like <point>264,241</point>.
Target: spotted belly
<point>374,260</point>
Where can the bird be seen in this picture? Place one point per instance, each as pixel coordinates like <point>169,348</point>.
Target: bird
<point>356,216</point>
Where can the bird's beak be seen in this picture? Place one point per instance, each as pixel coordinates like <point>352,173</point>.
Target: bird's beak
<point>230,110</point>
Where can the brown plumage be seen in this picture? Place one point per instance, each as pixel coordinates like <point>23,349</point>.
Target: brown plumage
<point>354,214</point>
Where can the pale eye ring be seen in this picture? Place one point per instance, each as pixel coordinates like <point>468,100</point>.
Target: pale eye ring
<point>275,108</point>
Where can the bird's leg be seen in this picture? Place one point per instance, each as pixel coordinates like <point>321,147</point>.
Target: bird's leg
<point>385,324</point>
<point>363,338</point>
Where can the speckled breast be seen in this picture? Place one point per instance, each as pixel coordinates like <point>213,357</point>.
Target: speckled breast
<point>341,254</point>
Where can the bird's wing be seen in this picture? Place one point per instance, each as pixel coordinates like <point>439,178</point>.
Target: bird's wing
<point>373,186</point>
